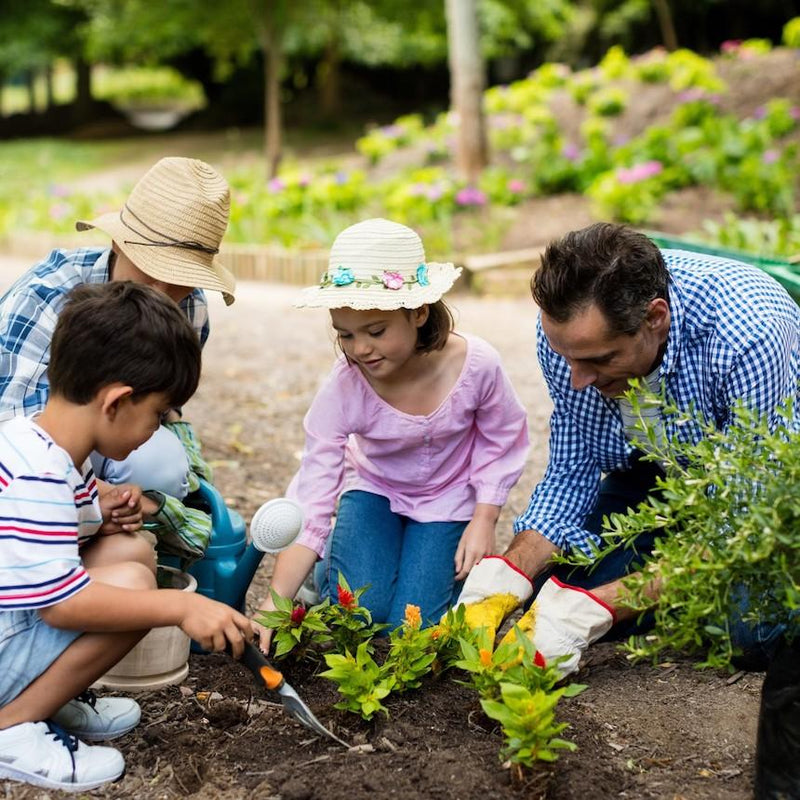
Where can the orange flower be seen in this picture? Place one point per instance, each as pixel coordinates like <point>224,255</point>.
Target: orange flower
<point>346,599</point>
<point>436,633</point>
<point>486,657</point>
<point>413,616</point>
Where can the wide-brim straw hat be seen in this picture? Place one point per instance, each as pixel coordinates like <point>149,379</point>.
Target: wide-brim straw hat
<point>172,225</point>
<point>381,265</point>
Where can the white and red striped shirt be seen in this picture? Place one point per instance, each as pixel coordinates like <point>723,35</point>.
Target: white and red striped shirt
<point>47,509</point>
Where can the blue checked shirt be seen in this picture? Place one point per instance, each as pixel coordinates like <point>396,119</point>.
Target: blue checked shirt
<point>28,314</point>
<point>734,334</point>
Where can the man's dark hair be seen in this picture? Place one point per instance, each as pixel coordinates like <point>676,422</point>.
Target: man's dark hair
<point>612,266</point>
<point>123,332</point>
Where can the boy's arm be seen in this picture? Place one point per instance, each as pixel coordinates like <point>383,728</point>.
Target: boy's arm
<point>100,607</point>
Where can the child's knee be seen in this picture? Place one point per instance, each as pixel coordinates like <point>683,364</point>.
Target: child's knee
<point>135,575</point>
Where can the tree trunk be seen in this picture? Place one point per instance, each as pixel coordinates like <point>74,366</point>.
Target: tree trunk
<point>83,90</point>
<point>30,85</point>
<point>272,98</point>
<point>330,81</point>
<point>668,35</point>
<point>466,87</point>
<point>50,98</point>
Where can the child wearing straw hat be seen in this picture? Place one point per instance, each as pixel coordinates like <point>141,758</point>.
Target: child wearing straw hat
<point>167,235</point>
<point>413,442</point>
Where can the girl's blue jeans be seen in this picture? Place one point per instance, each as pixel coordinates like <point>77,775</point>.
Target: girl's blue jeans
<point>402,561</point>
<point>620,491</point>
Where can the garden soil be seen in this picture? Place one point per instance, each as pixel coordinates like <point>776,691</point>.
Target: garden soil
<point>666,730</point>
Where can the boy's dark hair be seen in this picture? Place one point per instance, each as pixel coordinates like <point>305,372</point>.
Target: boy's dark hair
<point>123,332</point>
<point>437,328</point>
<point>612,266</point>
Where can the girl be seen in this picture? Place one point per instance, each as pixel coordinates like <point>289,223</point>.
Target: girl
<point>417,433</point>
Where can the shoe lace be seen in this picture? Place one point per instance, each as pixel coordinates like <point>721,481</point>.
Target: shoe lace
<point>67,739</point>
<point>88,697</point>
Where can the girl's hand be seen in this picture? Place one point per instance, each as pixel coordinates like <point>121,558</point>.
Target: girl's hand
<point>476,542</point>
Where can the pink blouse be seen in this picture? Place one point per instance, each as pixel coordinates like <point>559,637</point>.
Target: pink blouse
<point>431,468</point>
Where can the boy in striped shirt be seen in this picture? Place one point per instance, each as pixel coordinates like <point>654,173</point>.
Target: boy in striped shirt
<point>74,601</point>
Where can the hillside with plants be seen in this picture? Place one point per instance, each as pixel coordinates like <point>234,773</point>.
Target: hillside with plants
<point>667,140</point>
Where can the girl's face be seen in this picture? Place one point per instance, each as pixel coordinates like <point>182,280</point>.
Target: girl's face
<point>380,343</point>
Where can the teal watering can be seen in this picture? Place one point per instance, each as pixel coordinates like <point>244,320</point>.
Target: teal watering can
<point>230,562</point>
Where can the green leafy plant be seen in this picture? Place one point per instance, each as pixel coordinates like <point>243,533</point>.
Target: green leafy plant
<point>297,630</point>
<point>360,681</point>
<point>729,511</point>
<point>791,33</point>
<point>350,624</point>
<point>411,651</point>
<point>528,721</point>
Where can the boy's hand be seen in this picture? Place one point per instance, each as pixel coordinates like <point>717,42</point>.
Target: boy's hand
<point>121,507</point>
<point>214,625</point>
<point>476,542</point>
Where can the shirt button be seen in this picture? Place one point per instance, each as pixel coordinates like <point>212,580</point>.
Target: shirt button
<point>426,439</point>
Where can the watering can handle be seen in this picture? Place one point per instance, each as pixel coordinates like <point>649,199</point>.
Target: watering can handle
<point>220,518</point>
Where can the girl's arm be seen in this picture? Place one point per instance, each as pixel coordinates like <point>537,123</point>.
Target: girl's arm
<point>478,539</point>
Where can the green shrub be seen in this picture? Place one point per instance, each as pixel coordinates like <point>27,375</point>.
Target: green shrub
<point>149,87</point>
<point>791,33</point>
<point>731,520</point>
<point>608,102</point>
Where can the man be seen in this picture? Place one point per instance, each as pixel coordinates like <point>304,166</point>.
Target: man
<point>709,331</point>
<point>167,235</point>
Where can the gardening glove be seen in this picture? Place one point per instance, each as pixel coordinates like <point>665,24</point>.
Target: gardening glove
<point>563,621</point>
<point>492,590</point>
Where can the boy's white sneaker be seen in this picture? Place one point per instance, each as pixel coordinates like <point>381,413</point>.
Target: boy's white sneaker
<point>96,718</point>
<point>43,754</point>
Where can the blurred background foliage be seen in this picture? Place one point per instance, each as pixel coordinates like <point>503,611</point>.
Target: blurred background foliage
<point>370,78</point>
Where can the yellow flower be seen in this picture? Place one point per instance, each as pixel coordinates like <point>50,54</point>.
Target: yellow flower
<point>486,657</point>
<point>413,616</point>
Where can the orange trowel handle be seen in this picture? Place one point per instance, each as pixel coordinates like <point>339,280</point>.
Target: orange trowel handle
<point>272,678</point>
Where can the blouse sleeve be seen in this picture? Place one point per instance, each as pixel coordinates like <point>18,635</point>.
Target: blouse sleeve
<point>501,442</point>
<point>317,484</point>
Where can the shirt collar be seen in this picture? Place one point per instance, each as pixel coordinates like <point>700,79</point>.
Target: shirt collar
<point>675,334</point>
<point>98,273</point>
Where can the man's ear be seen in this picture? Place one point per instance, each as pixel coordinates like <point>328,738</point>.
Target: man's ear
<point>658,316</point>
<point>112,396</point>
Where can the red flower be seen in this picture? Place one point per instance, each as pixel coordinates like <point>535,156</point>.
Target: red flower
<point>346,599</point>
<point>298,615</point>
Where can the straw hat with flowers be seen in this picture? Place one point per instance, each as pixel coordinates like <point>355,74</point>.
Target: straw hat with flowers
<point>172,224</point>
<point>378,264</point>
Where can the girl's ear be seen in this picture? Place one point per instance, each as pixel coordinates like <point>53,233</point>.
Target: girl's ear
<point>112,396</point>
<point>420,315</point>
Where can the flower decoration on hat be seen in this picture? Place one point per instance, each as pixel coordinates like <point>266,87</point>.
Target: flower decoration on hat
<point>392,280</point>
<point>422,275</point>
<point>342,277</point>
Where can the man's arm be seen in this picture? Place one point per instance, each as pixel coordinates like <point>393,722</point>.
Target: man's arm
<point>531,552</point>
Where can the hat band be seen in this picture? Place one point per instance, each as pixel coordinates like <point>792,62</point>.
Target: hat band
<point>166,241</point>
<point>388,279</point>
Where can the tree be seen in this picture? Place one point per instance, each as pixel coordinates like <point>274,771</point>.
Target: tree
<point>466,86</point>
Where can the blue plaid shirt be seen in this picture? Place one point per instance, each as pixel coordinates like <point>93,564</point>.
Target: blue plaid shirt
<point>28,314</point>
<point>734,334</point>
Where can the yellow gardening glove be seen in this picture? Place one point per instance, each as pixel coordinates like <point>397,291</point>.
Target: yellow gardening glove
<point>492,590</point>
<point>563,621</point>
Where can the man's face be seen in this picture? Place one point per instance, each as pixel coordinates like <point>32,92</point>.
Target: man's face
<point>603,359</point>
<point>126,270</point>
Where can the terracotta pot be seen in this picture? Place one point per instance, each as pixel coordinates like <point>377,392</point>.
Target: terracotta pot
<point>161,658</point>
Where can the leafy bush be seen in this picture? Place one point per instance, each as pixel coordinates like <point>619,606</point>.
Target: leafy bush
<point>149,87</point>
<point>608,102</point>
<point>731,519</point>
<point>791,33</point>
